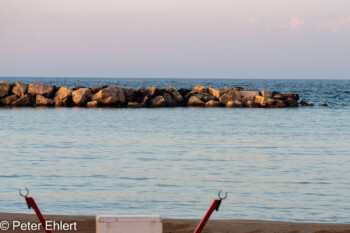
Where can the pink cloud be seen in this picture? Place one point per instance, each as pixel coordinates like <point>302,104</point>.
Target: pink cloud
<point>295,23</point>
<point>252,21</point>
<point>336,25</point>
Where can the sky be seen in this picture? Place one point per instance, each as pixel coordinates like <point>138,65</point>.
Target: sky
<point>175,38</point>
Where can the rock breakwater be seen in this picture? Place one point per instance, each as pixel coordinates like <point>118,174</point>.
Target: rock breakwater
<point>20,94</point>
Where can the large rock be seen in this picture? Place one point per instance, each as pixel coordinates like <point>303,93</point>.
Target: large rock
<point>195,102</point>
<point>94,90</point>
<point>41,89</point>
<point>81,96</point>
<point>135,105</point>
<point>214,92</point>
<point>129,94</point>
<point>199,89</point>
<point>110,96</point>
<point>25,100</point>
<point>184,91</point>
<point>262,101</point>
<point>205,97</point>
<point>247,95</point>
<point>158,101</point>
<point>291,102</point>
<point>225,89</point>
<point>212,104</point>
<point>151,91</point>
<point>268,93</point>
<point>5,88</point>
<point>43,101</point>
<point>63,97</point>
<point>145,101</point>
<point>231,95</point>
<point>20,89</point>
<point>286,96</point>
<point>92,104</point>
<point>234,104</point>
<point>292,96</point>
<point>171,102</point>
<point>279,104</point>
<point>176,94</point>
<point>304,103</point>
<point>9,99</point>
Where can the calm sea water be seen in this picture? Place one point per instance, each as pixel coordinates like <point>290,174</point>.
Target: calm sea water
<point>281,164</point>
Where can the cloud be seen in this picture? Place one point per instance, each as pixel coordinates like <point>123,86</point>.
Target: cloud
<point>295,23</point>
<point>336,25</point>
<point>252,21</point>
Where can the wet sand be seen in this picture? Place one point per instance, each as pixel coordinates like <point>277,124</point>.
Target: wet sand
<point>86,224</point>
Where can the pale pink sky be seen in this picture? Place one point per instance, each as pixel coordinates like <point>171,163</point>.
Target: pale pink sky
<point>175,38</point>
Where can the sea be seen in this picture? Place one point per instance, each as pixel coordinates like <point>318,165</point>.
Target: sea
<point>289,164</point>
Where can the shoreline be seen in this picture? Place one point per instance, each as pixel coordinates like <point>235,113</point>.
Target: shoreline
<point>87,224</point>
<point>20,94</point>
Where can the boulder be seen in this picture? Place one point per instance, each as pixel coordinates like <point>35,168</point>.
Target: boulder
<point>189,94</point>
<point>135,105</point>
<point>247,95</point>
<point>9,99</point>
<point>231,95</point>
<point>270,102</point>
<point>94,90</point>
<point>5,88</point>
<point>279,104</point>
<point>278,96</point>
<point>184,91</point>
<point>212,103</point>
<point>176,94</point>
<point>214,92</point>
<point>110,96</point>
<point>158,101</point>
<point>129,94</point>
<point>225,89</point>
<point>92,104</point>
<point>20,89</point>
<point>291,102</point>
<point>291,95</point>
<point>205,97</point>
<point>286,96</point>
<point>78,87</point>
<point>262,101</point>
<point>151,91</point>
<point>268,93</point>
<point>42,101</point>
<point>81,96</point>
<point>25,100</point>
<point>63,97</point>
<point>234,104</point>
<point>324,105</point>
<point>195,102</point>
<point>251,104</point>
<point>171,102</point>
<point>303,103</point>
<point>145,101</point>
<point>41,89</point>
<point>199,89</point>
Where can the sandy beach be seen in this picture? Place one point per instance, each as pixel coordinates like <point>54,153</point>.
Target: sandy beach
<point>86,224</point>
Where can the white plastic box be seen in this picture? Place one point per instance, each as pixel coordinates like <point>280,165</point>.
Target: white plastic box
<point>129,224</point>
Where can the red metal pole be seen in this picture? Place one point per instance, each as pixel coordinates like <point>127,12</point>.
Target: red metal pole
<point>32,204</point>
<point>207,216</point>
